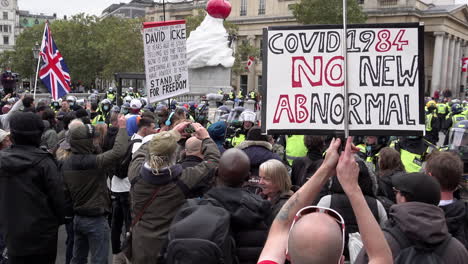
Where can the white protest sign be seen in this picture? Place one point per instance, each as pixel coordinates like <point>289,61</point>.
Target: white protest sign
<point>303,79</point>
<point>165,59</point>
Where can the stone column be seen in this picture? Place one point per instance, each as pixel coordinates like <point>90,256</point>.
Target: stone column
<point>443,62</point>
<point>457,66</point>
<point>436,62</point>
<point>450,62</point>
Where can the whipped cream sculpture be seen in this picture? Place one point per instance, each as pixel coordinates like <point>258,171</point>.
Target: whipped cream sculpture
<point>208,44</point>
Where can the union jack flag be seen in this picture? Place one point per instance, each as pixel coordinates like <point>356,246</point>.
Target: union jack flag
<point>54,72</point>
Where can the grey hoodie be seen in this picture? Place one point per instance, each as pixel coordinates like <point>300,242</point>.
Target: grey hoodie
<point>424,225</point>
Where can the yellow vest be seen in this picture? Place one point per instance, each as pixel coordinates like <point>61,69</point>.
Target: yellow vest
<point>413,162</point>
<point>237,140</point>
<point>295,148</point>
<point>442,108</point>
<point>429,121</point>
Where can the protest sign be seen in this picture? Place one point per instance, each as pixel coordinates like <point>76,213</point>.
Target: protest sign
<point>165,59</point>
<point>303,77</point>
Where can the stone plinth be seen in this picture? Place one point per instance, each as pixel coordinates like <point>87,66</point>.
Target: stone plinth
<point>209,79</point>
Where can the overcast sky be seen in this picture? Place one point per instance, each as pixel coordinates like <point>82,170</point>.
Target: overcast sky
<point>67,7</point>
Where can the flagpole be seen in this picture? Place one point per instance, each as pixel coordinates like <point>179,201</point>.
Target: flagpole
<point>39,61</point>
<point>345,70</point>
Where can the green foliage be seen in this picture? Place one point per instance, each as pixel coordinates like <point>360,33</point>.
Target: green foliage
<point>92,48</point>
<point>327,12</point>
<point>6,59</point>
<point>243,52</point>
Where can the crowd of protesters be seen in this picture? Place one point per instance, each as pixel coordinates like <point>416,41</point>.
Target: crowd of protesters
<point>163,184</point>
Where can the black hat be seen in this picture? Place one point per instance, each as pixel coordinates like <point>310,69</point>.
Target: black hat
<point>255,133</point>
<point>418,187</point>
<point>26,124</point>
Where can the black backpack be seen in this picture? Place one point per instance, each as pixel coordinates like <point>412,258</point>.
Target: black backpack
<point>200,233</point>
<point>121,170</point>
<point>410,253</point>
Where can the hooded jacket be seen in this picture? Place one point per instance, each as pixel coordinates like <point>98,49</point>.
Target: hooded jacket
<point>49,138</point>
<point>171,185</point>
<point>456,215</point>
<point>425,226</point>
<point>85,177</point>
<point>249,216</point>
<point>258,152</point>
<point>31,200</point>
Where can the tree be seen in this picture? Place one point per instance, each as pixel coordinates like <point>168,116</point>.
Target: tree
<point>327,12</point>
<point>6,58</point>
<point>243,52</point>
<point>92,48</point>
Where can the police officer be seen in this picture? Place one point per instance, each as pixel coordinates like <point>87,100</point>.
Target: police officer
<point>413,151</point>
<point>55,105</point>
<point>231,95</point>
<point>432,123</point>
<point>453,118</point>
<point>370,147</point>
<point>253,95</point>
<point>294,148</point>
<point>240,96</point>
<point>111,95</point>
<point>248,119</point>
<point>442,111</point>
<point>130,92</point>
<point>458,143</point>
<point>72,101</point>
<point>103,111</point>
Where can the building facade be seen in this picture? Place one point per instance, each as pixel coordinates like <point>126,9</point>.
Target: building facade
<point>27,20</point>
<point>445,38</point>
<point>9,21</point>
<point>134,9</point>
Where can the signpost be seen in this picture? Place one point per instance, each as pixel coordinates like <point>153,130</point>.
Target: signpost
<point>305,76</point>
<point>165,59</point>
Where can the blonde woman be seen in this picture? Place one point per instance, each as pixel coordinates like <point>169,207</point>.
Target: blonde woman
<point>276,185</point>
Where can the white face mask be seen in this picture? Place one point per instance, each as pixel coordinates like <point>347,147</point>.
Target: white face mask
<point>9,71</point>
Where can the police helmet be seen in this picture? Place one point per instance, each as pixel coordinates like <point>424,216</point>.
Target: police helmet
<point>457,108</point>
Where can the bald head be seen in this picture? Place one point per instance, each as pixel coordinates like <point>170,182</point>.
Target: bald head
<point>193,146</point>
<point>315,239</point>
<point>234,167</point>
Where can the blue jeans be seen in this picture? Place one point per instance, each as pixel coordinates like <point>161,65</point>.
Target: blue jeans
<point>92,235</point>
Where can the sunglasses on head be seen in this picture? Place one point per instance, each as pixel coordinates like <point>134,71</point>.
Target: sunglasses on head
<point>317,209</point>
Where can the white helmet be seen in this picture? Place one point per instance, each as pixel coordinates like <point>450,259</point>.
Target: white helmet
<point>135,104</point>
<point>130,89</point>
<point>248,116</point>
<point>111,89</point>
<point>128,99</point>
<point>71,98</point>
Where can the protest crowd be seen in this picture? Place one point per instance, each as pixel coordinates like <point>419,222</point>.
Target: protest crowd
<point>161,183</point>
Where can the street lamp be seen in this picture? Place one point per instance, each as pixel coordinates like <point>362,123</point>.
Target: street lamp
<point>36,50</point>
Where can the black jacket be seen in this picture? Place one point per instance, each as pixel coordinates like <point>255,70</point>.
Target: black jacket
<point>258,152</point>
<point>456,215</point>
<point>424,225</point>
<point>85,178</point>
<point>190,161</point>
<point>31,200</point>
<point>249,213</point>
<point>313,160</point>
